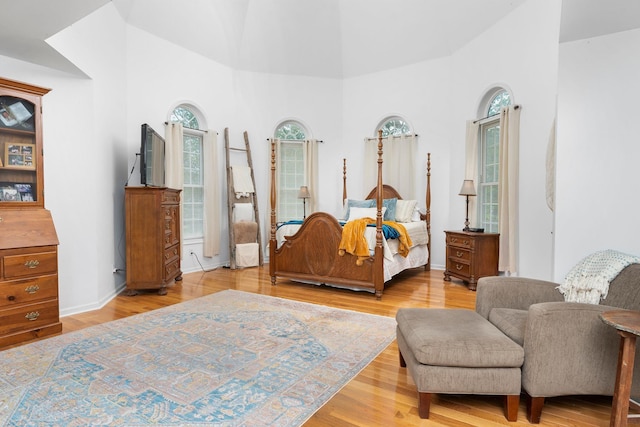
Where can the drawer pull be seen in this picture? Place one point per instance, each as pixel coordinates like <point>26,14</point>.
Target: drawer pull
<point>459,254</point>
<point>32,263</point>
<point>466,242</point>
<point>459,267</point>
<point>11,298</point>
<point>32,289</point>
<point>453,240</point>
<point>32,315</point>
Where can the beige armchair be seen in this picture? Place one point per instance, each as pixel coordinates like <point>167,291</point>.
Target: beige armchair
<point>568,350</point>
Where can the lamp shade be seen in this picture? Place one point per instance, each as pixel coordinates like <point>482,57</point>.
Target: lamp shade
<point>468,189</point>
<point>304,192</point>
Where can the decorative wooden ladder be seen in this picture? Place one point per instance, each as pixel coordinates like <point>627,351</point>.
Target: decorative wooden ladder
<point>233,199</point>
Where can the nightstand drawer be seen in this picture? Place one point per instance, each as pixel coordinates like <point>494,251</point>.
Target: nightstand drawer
<point>460,254</point>
<point>460,241</point>
<point>34,264</point>
<point>28,290</point>
<point>458,268</point>
<point>29,316</point>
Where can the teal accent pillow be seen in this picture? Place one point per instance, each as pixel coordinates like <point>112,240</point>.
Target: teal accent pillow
<point>356,204</point>
<point>390,213</point>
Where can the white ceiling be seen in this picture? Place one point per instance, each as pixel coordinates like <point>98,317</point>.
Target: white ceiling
<point>325,38</point>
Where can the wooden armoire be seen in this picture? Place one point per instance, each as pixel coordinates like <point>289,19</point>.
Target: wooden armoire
<point>152,228</point>
<point>29,305</point>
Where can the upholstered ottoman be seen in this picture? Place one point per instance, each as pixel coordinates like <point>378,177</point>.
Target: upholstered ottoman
<point>457,351</point>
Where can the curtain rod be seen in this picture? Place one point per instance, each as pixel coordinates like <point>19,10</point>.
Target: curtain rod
<point>515,107</point>
<point>295,140</point>
<point>199,130</point>
<point>375,138</point>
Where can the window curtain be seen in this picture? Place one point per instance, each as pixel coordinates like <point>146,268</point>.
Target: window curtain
<point>508,187</point>
<point>310,154</point>
<point>471,167</point>
<point>211,243</point>
<point>551,169</point>
<point>398,163</point>
<point>174,150</point>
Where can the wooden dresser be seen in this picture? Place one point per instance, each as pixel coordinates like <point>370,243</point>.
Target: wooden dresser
<point>471,256</point>
<point>29,276</point>
<point>152,237</point>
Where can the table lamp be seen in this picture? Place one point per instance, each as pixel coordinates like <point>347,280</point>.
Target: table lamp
<point>468,189</point>
<point>304,195</point>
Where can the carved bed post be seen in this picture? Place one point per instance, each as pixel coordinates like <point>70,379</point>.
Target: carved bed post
<point>344,181</point>
<point>427,266</point>
<point>272,238</point>
<point>379,258</point>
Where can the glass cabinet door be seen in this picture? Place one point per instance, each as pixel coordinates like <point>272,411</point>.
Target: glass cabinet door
<point>20,150</point>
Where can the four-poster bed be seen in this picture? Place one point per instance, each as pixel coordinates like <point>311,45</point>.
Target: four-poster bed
<point>311,254</point>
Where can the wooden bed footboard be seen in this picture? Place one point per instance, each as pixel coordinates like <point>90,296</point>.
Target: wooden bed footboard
<point>312,255</point>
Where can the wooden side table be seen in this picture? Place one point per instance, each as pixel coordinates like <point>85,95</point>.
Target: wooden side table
<point>471,256</point>
<point>627,323</point>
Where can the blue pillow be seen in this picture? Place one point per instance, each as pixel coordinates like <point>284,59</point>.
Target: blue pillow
<point>390,204</point>
<point>356,204</point>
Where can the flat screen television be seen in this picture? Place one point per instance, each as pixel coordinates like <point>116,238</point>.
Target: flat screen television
<point>151,157</point>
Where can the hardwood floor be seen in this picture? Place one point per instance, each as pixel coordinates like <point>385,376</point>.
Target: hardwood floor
<point>383,394</point>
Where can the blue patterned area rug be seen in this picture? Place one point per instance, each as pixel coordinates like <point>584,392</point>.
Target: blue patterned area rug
<point>227,359</point>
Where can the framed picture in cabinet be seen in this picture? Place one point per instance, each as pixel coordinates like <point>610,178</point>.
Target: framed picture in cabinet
<point>20,156</point>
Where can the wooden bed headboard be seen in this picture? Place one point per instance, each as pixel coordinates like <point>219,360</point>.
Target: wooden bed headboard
<point>388,192</point>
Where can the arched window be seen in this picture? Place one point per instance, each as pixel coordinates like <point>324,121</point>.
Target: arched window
<point>394,126</point>
<point>193,188</point>
<point>489,159</point>
<point>291,169</point>
<point>291,131</point>
<point>400,144</point>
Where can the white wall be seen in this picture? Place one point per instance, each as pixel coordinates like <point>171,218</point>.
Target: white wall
<point>438,97</point>
<point>598,152</point>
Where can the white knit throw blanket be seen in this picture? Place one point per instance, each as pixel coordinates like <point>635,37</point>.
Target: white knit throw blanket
<point>589,280</point>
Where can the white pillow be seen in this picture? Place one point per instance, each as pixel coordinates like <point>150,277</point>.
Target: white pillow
<point>357,213</point>
<point>416,214</point>
<point>404,210</point>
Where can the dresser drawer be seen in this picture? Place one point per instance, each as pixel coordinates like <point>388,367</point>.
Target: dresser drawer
<point>30,316</point>
<point>171,269</point>
<point>28,290</point>
<point>460,241</point>
<point>171,253</point>
<point>33,264</point>
<point>170,197</point>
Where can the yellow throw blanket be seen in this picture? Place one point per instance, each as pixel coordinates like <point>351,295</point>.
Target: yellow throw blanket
<point>354,241</point>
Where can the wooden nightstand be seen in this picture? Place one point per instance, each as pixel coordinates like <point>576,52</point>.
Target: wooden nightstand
<point>471,256</point>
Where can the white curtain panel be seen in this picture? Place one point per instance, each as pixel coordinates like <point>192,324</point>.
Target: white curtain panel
<point>398,163</point>
<point>211,195</point>
<point>471,166</point>
<point>551,169</point>
<point>174,173</point>
<point>310,153</point>
<point>174,153</point>
<point>508,188</point>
